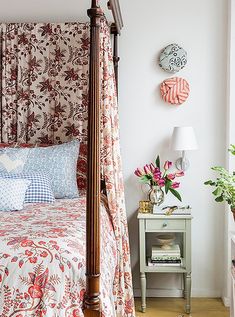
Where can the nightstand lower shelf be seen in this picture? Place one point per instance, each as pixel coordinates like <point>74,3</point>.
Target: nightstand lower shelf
<point>181,225</point>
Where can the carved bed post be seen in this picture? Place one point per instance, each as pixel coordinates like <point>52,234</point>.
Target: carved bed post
<point>92,300</point>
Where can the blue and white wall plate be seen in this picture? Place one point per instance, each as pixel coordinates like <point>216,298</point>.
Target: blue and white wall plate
<point>173,58</point>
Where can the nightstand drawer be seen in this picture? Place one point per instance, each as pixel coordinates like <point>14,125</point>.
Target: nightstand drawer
<point>168,224</point>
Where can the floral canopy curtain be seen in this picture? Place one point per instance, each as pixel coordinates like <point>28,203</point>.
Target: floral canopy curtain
<point>44,84</point>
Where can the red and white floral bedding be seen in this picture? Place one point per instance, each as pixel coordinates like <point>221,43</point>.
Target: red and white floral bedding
<point>42,260</point>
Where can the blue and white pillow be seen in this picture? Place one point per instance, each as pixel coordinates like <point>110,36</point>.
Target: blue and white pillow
<point>12,160</point>
<point>12,193</point>
<point>39,190</point>
<point>59,162</point>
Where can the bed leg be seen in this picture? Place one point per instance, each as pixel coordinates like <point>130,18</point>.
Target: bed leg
<point>91,313</point>
<point>92,298</point>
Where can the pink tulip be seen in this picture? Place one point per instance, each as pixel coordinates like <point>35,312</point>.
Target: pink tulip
<point>157,176</point>
<point>179,174</point>
<point>167,165</point>
<point>152,167</point>
<point>161,182</point>
<point>139,172</point>
<point>171,176</point>
<point>147,169</point>
<point>175,185</point>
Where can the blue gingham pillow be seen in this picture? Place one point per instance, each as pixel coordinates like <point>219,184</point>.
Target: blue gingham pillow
<point>12,193</point>
<point>39,190</point>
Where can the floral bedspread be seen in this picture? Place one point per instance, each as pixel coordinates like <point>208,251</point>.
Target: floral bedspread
<point>42,261</point>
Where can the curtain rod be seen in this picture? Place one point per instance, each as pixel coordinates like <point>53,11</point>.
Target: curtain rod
<point>114,6</point>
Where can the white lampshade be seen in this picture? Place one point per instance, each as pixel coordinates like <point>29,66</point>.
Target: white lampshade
<point>183,139</point>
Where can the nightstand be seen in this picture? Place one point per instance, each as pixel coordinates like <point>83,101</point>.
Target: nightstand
<point>181,226</point>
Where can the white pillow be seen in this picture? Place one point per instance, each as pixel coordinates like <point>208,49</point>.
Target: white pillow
<point>12,193</point>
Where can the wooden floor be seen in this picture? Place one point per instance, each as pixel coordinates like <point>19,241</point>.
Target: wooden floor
<point>174,307</point>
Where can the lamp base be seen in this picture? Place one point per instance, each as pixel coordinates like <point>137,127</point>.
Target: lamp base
<point>182,164</point>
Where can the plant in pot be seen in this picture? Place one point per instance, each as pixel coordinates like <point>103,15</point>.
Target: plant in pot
<point>224,185</point>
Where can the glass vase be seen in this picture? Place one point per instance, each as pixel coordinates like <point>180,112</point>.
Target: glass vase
<point>156,195</point>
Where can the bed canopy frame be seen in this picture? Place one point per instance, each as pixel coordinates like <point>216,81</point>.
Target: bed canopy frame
<point>92,299</point>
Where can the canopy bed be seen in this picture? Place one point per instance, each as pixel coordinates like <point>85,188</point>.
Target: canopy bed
<point>54,91</point>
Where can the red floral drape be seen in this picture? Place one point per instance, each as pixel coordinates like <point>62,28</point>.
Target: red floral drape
<point>44,100</point>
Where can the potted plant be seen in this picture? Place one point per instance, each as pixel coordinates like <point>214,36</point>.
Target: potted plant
<point>224,185</point>
<point>159,179</point>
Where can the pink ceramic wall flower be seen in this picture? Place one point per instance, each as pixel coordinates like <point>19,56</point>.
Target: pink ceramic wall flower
<point>153,175</point>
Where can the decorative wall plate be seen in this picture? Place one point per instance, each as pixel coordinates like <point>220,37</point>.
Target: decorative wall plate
<point>175,90</point>
<point>173,58</point>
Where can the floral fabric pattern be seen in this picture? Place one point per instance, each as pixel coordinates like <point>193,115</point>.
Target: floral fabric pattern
<point>45,86</point>
<point>42,264</point>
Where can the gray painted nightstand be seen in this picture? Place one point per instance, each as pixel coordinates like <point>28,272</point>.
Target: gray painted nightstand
<point>158,224</point>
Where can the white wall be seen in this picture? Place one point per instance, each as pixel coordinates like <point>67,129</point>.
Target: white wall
<point>146,122</point>
<point>46,10</point>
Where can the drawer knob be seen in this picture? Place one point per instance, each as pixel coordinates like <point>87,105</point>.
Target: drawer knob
<point>164,225</point>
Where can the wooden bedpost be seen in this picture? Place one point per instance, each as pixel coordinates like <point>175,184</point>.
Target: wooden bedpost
<point>116,58</point>
<point>92,299</point>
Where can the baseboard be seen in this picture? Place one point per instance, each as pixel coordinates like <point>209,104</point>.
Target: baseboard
<point>159,292</point>
<point>226,301</point>
<point>179,293</point>
<point>198,292</point>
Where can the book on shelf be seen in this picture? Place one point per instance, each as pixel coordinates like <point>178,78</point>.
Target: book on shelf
<point>165,258</point>
<point>175,260</point>
<point>173,252</point>
<point>176,255</point>
<point>160,264</point>
<point>171,249</point>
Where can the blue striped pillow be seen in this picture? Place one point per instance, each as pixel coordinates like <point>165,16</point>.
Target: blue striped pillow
<point>39,190</point>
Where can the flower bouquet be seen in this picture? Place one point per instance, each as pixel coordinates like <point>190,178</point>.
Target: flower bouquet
<point>159,179</point>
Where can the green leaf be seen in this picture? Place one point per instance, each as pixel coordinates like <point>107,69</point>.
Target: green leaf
<point>232,149</point>
<point>209,183</point>
<point>219,199</point>
<point>175,193</point>
<point>158,161</point>
<point>167,185</point>
<point>217,191</point>
<point>145,178</point>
